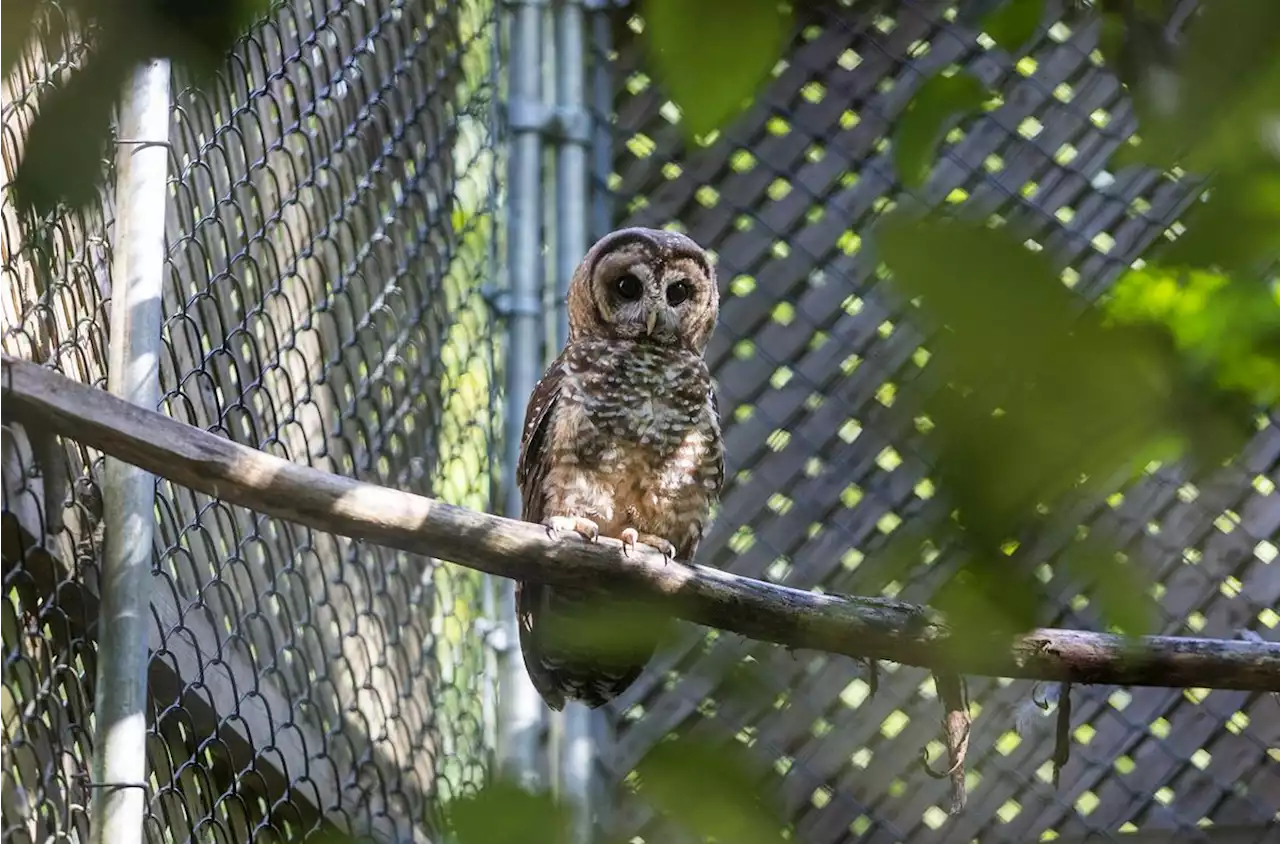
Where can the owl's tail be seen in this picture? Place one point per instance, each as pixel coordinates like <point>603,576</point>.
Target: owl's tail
<point>582,646</point>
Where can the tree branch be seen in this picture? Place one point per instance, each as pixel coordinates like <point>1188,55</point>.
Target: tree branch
<point>857,627</point>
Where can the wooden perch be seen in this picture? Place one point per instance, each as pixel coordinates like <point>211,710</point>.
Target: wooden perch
<point>858,627</point>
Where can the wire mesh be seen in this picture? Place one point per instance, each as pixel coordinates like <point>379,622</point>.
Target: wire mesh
<point>54,310</point>
<point>332,217</point>
<point>816,365</point>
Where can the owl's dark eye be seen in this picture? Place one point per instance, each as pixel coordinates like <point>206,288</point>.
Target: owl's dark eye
<point>629,287</point>
<point>677,292</point>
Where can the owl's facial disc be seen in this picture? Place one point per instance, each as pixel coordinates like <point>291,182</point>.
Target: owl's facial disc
<point>646,285</point>
<point>649,300</point>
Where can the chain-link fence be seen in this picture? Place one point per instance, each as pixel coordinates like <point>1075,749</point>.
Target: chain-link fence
<point>816,368</point>
<point>331,219</point>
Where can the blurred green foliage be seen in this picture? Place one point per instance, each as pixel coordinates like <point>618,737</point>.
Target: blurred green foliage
<point>71,137</point>
<point>1226,328</point>
<point>1214,104</point>
<point>504,813</point>
<point>718,793</point>
<point>939,103</point>
<point>1010,25</point>
<point>711,56</point>
<point>1046,397</point>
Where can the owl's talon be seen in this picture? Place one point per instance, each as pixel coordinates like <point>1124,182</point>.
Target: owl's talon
<point>629,538</point>
<point>668,552</point>
<point>585,528</point>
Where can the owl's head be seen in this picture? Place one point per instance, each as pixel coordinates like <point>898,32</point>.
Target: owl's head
<point>645,284</point>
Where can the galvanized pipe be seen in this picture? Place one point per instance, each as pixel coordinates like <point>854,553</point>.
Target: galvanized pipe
<point>520,707</point>
<point>571,159</point>
<point>576,750</point>
<point>602,130</point>
<point>598,221</point>
<point>493,587</point>
<point>133,373</point>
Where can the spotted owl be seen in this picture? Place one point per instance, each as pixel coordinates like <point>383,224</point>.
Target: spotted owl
<point>622,439</point>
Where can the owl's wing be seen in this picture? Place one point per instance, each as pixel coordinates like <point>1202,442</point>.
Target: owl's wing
<point>719,476</point>
<point>535,458</point>
<point>688,549</point>
<point>533,599</point>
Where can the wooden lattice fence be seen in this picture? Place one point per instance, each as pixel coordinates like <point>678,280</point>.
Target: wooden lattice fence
<point>816,364</point>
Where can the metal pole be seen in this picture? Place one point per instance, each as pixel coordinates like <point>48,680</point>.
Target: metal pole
<point>571,169</point>
<point>521,710</point>
<point>133,373</point>
<point>495,629</point>
<point>577,750</point>
<point>571,160</point>
<point>602,105</point>
<point>551,317</point>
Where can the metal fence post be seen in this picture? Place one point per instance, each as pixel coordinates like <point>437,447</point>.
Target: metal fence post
<point>119,759</point>
<point>520,708</point>
<point>601,111</point>
<point>594,48</point>
<point>577,751</point>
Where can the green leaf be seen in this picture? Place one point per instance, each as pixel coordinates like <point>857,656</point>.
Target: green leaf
<point>712,56</point>
<point>709,788</point>
<point>937,105</point>
<point>504,813</point>
<point>1230,47</point>
<point>1219,104</point>
<point>1047,397</point>
<point>1044,397</point>
<point>65,153</point>
<point>1111,33</point>
<point>1227,329</point>
<point>989,597</point>
<point>69,140</point>
<point>1117,587</point>
<point>1013,22</point>
<point>1237,229</point>
<point>1141,55</point>
<point>16,31</point>
<point>195,34</point>
<point>609,630</point>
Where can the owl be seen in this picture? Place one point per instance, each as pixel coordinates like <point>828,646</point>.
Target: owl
<point>622,439</point>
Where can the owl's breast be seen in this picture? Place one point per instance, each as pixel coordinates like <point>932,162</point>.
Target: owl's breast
<point>640,432</point>
<point>637,401</point>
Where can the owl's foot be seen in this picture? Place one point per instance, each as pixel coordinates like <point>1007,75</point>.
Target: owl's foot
<point>631,536</point>
<point>585,528</point>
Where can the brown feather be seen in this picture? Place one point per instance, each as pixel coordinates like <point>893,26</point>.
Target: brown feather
<point>622,430</point>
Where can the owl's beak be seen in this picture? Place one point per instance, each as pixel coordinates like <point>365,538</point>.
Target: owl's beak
<point>649,322</point>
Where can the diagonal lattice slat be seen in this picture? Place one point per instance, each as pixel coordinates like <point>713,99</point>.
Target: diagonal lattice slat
<point>817,363</point>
